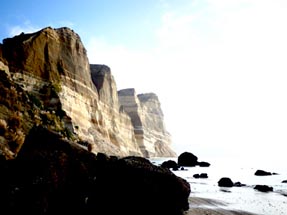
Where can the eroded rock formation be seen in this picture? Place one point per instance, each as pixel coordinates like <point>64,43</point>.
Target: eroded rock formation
<point>147,119</point>
<point>75,98</point>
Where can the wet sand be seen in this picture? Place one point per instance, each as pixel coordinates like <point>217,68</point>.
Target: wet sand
<point>204,206</point>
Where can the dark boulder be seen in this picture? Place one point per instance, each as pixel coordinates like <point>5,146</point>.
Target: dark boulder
<point>187,159</point>
<point>262,173</point>
<point>203,164</point>
<point>225,191</point>
<point>263,188</point>
<point>101,157</point>
<point>202,175</point>
<point>53,176</point>
<point>239,184</point>
<point>225,182</point>
<point>175,169</point>
<point>285,181</point>
<point>137,181</point>
<point>169,164</point>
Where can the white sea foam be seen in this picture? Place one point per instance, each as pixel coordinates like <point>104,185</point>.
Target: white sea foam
<point>240,198</point>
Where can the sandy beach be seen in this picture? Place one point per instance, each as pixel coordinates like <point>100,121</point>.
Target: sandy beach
<point>205,206</point>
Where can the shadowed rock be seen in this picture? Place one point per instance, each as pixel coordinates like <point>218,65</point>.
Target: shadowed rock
<point>190,160</point>
<point>262,173</point>
<point>53,176</point>
<point>202,175</point>
<point>187,159</point>
<point>203,164</point>
<point>263,188</point>
<point>169,164</point>
<point>239,184</point>
<point>225,182</point>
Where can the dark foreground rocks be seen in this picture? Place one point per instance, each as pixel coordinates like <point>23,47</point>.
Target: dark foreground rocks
<point>54,176</point>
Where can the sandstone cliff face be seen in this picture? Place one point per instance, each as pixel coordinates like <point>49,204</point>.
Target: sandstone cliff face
<point>147,118</point>
<point>52,66</point>
<point>112,123</point>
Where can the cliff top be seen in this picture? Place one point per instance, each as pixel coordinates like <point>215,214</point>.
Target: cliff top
<point>127,92</point>
<point>48,31</point>
<point>144,97</point>
<point>100,69</point>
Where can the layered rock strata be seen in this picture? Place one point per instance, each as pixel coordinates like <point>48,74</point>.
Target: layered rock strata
<point>52,66</point>
<point>56,58</point>
<point>147,118</point>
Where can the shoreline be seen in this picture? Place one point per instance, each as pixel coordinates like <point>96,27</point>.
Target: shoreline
<point>206,206</point>
<point>207,198</point>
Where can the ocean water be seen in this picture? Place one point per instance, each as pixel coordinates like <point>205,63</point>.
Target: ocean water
<point>238,198</point>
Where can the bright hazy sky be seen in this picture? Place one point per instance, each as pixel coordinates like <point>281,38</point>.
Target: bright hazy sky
<point>219,67</point>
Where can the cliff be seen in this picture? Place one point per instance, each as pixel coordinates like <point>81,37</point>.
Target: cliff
<point>148,121</point>
<point>50,79</point>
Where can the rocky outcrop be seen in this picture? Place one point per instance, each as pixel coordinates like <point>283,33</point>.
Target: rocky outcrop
<point>225,182</point>
<point>147,119</point>
<point>201,175</point>
<point>262,173</point>
<point>203,164</point>
<point>105,84</point>
<point>263,188</point>
<point>114,124</point>
<point>170,164</point>
<point>52,68</point>
<point>189,159</point>
<point>55,176</point>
